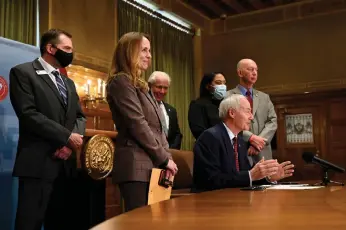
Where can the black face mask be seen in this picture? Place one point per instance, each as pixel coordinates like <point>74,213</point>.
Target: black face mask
<point>63,57</point>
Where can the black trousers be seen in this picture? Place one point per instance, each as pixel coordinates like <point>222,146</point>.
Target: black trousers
<point>45,203</point>
<point>135,194</point>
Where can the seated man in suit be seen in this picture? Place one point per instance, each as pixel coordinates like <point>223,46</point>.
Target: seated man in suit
<point>220,153</point>
<point>159,83</point>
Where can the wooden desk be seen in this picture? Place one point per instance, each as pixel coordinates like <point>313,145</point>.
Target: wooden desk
<point>323,208</point>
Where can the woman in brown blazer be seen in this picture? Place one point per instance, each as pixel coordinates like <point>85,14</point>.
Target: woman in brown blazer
<point>141,143</point>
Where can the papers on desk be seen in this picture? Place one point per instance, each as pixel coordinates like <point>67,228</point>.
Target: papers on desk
<point>293,187</point>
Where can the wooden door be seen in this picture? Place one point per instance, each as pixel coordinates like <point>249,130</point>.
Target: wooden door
<point>300,130</point>
<point>336,135</point>
<point>328,112</point>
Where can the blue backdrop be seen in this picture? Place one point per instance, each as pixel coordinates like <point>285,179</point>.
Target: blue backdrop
<point>11,53</point>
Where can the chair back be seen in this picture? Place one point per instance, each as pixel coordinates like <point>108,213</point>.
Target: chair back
<point>184,161</point>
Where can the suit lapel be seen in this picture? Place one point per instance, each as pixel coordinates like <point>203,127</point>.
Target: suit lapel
<point>255,99</point>
<point>152,101</point>
<point>156,106</point>
<point>37,66</point>
<point>242,151</point>
<point>168,110</point>
<point>228,145</point>
<point>169,114</point>
<point>237,90</point>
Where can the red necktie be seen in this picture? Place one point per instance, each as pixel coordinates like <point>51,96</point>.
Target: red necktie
<point>249,98</point>
<point>235,146</point>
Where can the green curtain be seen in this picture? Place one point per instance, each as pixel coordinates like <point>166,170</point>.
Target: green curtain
<point>172,52</point>
<point>18,20</point>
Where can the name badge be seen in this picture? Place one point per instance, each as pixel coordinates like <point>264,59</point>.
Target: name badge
<point>41,72</point>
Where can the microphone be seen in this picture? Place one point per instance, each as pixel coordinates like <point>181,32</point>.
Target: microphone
<point>311,158</point>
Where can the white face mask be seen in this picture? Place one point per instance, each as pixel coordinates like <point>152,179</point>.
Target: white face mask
<point>219,92</point>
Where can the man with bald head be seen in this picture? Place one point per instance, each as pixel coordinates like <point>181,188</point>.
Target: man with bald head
<point>159,83</point>
<point>264,124</point>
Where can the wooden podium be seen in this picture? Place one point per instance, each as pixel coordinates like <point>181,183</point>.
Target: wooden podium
<point>92,196</point>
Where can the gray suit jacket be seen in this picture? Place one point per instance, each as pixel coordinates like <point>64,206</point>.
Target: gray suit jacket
<point>264,123</point>
<point>141,143</point>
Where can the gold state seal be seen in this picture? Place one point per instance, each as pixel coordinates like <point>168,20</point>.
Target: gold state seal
<point>99,152</point>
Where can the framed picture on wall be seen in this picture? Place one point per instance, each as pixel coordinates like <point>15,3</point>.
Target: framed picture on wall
<point>299,129</point>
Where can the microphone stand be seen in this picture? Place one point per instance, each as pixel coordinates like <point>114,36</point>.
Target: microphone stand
<point>325,181</point>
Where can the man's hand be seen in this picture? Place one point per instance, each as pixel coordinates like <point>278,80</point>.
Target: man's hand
<point>263,169</point>
<point>171,166</point>
<point>285,169</point>
<point>75,141</point>
<point>252,151</point>
<point>258,142</point>
<point>63,153</point>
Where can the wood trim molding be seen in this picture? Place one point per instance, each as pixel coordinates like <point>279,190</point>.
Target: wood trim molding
<point>190,8</point>
<point>91,62</point>
<point>277,15</point>
<point>286,101</point>
<point>305,87</point>
<point>187,12</point>
<point>93,132</point>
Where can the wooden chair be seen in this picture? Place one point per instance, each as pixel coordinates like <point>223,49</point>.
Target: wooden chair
<point>184,179</point>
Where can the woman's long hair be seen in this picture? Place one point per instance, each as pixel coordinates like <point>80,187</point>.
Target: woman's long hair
<point>126,60</point>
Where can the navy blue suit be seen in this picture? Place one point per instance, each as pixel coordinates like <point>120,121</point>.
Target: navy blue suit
<point>214,161</point>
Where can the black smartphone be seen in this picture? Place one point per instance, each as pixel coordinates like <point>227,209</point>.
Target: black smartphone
<point>253,188</point>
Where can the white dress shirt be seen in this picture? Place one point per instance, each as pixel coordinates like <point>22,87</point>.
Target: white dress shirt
<point>49,69</point>
<point>231,136</point>
<point>165,114</point>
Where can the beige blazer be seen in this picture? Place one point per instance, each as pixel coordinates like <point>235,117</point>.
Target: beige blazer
<point>264,123</point>
<point>141,143</point>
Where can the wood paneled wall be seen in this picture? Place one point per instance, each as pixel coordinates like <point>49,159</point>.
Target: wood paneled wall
<point>328,110</point>
<point>298,53</point>
<point>92,25</point>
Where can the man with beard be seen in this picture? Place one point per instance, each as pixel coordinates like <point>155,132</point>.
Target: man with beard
<point>264,124</point>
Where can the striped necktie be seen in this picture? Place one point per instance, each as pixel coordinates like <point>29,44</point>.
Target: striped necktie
<point>61,86</point>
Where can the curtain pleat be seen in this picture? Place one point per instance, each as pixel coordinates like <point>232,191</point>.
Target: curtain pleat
<point>18,20</point>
